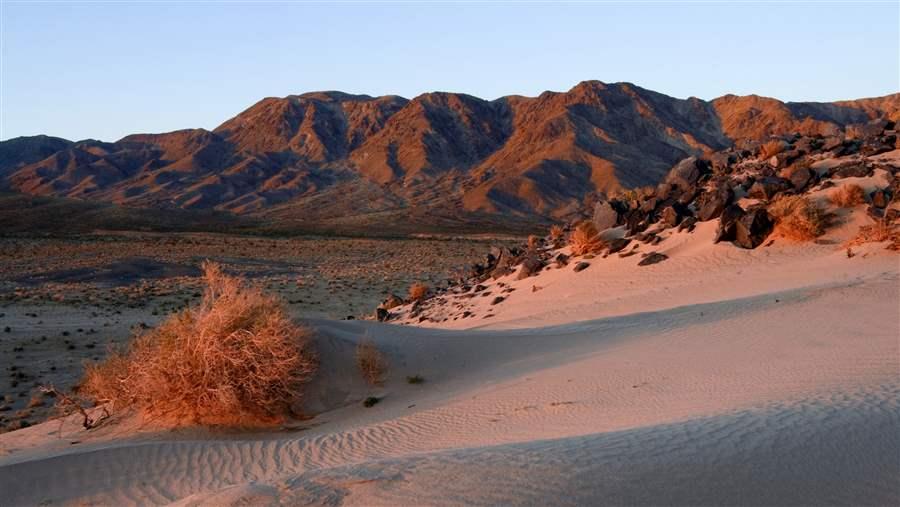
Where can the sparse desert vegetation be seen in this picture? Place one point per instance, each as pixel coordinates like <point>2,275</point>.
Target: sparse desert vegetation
<point>877,232</point>
<point>771,148</point>
<point>418,291</point>
<point>66,300</point>
<point>848,195</point>
<point>235,358</point>
<point>585,239</point>
<point>371,362</point>
<point>798,218</point>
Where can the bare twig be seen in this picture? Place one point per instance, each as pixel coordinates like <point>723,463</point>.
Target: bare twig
<point>88,422</point>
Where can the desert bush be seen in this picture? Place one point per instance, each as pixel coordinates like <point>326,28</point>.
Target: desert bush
<point>533,242</point>
<point>418,291</point>
<point>557,233</point>
<point>234,359</point>
<point>771,148</point>
<point>371,362</point>
<point>878,232</point>
<point>848,195</point>
<point>585,239</point>
<point>798,218</point>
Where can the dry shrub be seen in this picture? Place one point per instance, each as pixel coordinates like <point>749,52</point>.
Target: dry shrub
<point>234,359</point>
<point>533,242</point>
<point>878,232</point>
<point>371,362</point>
<point>418,291</point>
<point>848,195</point>
<point>771,148</point>
<point>585,239</point>
<point>798,218</point>
<point>557,233</point>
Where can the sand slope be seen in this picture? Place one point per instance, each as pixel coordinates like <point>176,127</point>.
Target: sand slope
<point>736,377</point>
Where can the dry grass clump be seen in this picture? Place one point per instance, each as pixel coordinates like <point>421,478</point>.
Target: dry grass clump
<point>371,362</point>
<point>878,232</point>
<point>771,148</point>
<point>848,195</point>
<point>234,359</point>
<point>585,239</point>
<point>418,291</point>
<point>557,232</point>
<point>798,218</point>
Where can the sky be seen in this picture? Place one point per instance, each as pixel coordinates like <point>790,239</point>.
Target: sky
<point>105,69</point>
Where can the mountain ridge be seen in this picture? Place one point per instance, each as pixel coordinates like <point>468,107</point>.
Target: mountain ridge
<point>330,156</point>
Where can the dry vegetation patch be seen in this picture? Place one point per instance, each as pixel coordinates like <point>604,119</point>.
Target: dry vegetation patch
<point>371,362</point>
<point>798,218</point>
<point>848,195</point>
<point>586,239</point>
<point>234,359</point>
<point>418,291</point>
<point>878,232</point>
<point>771,148</point>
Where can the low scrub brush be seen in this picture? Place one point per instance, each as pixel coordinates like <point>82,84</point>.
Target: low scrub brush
<point>585,239</point>
<point>234,359</point>
<point>798,218</point>
<point>847,196</point>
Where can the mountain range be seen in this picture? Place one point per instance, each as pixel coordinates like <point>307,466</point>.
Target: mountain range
<point>331,160</point>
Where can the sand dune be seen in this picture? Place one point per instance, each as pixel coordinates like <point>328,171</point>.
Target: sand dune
<point>777,383</point>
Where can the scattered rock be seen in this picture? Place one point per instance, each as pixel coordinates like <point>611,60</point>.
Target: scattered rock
<point>530,266</point>
<point>617,245</point>
<point>498,299</point>
<point>753,228</point>
<point>581,266</point>
<point>605,216</point>
<point>392,301</point>
<point>726,230</point>
<point>767,187</point>
<point>653,258</point>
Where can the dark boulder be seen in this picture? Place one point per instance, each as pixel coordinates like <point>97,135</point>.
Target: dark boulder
<point>686,173</point>
<point>766,188</point>
<point>653,258</point>
<point>800,177</point>
<point>381,314</point>
<point>727,223</point>
<point>831,143</point>
<point>688,223</point>
<point>635,221</point>
<point>753,228</point>
<point>530,266</point>
<point>392,301</point>
<point>581,266</point>
<point>856,170</point>
<point>710,204</point>
<point>617,245</point>
<point>561,260</point>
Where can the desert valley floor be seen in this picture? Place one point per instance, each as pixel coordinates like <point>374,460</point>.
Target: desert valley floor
<point>720,376</point>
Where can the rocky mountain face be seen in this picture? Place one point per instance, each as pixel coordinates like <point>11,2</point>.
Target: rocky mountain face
<point>335,158</point>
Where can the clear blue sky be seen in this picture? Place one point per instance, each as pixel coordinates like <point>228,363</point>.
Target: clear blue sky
<point>105,69</point>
